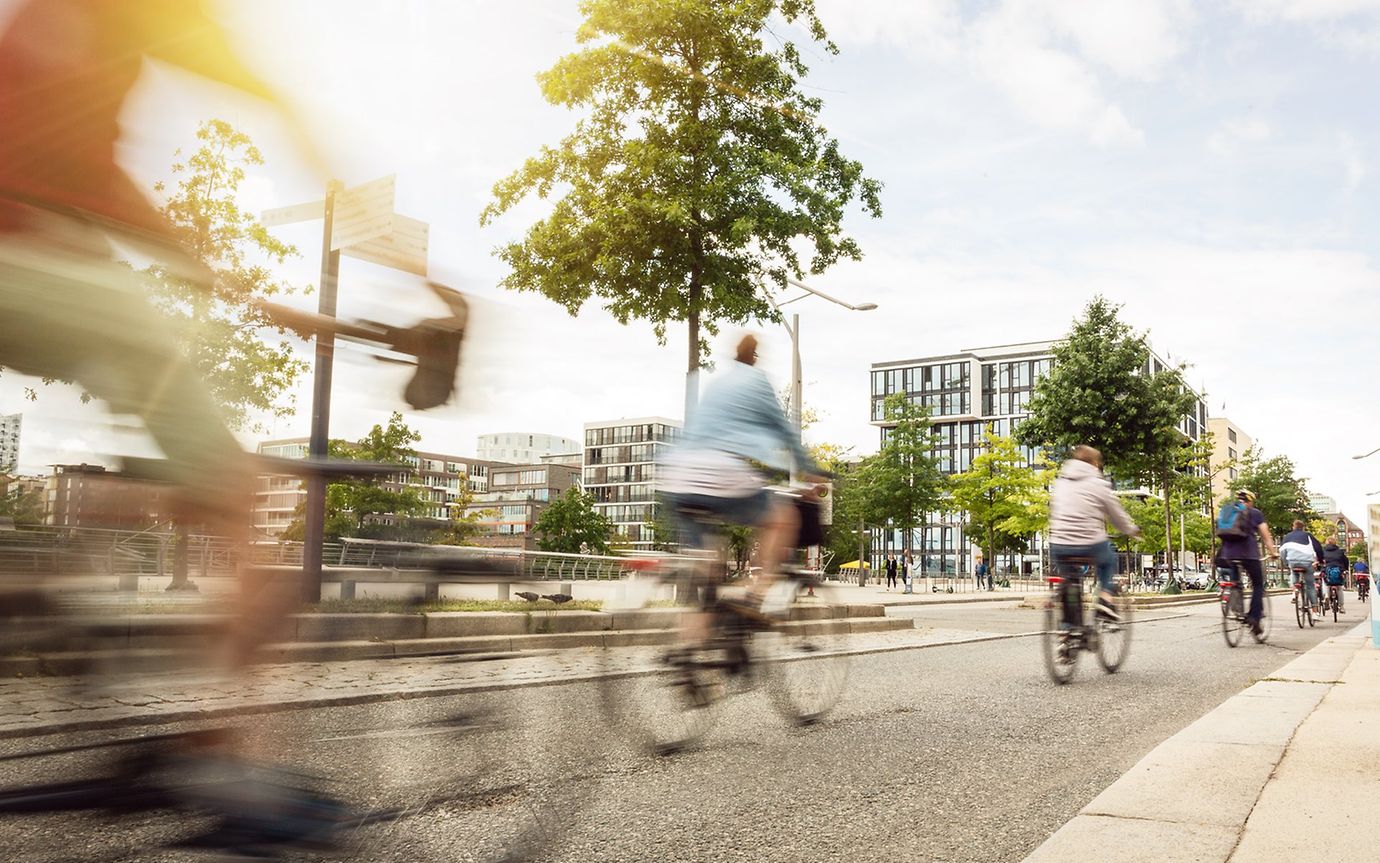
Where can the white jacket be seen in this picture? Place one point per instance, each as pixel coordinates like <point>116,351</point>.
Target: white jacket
<point>1081,504</point>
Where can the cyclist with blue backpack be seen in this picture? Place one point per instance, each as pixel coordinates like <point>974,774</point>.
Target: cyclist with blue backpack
<point>1335,567</point>
<point>1239,525</point>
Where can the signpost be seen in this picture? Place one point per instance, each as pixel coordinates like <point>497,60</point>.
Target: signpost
<point>358,222</point>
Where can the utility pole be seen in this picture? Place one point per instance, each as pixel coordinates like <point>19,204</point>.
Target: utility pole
<point>321,405</point>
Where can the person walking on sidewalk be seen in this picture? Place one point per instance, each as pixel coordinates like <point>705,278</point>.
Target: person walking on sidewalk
<point>980,572</point>
<point>890,571</point>
<point>909,574</point>
<point>1240,548</point>
<point>1080,505</point>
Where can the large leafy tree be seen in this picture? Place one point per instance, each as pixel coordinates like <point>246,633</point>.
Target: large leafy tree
<point>221,326</point>
<point>572,525</point>
<point>1102,392</point>
<point>23,508</point>
<point>902,481</point>
<point>1005,499</point>
<point>698,171</point>
<point>1280,495</point>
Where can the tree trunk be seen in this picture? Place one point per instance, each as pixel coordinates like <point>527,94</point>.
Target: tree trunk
<point>181,541</point>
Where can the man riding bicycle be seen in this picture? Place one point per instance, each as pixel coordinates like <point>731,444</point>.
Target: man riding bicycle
<point>1080,505</point>
<point>1335,567</point>
<point>1301,550</point>
<point>1241,549</point>
<point>1362,572</point>
<point>737,426</point>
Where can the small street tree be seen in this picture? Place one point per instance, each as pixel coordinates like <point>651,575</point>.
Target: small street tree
<point>1005,499</point>
<point>572,525</point>
<point>1359,551</point>
<point>23,508</point>
<point>1101,392</point>
<point>698,172</point>
<point>902,481</point>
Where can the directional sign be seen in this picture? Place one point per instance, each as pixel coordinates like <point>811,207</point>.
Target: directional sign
<point>364,213</point>
<point>295,213</point>
<point>403,249</point>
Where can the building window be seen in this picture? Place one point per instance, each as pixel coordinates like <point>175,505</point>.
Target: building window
<point>1231,435</point>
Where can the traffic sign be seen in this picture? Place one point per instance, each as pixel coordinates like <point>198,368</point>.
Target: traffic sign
<point>404,249</point>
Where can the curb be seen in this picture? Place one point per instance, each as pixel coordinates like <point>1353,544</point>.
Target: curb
<point>440,692</point>
<point>1233,749</point>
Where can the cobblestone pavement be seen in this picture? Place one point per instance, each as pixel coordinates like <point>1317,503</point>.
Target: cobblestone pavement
<point>38,705</point>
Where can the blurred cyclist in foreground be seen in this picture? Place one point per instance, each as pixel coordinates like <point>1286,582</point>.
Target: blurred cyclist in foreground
<point>737,426</point>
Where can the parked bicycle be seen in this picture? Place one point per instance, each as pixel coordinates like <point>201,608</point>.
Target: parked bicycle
<point>1071,628</point>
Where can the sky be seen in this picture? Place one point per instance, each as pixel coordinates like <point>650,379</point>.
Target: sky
<point>1209,166</point>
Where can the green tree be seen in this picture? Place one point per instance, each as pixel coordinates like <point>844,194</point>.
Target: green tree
<point>1280,495</point>
<point>353,505</point>
<point>1359,551</point>
<point>1004,498</point>
<point>1102,392</point>
<point>698,172</point>
<point>572,525</point>
<point>902,481</point>
<point>221,326</point>
<point>24,508</point>
<point>464,526</point>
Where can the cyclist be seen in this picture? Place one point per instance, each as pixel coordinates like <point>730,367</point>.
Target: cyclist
<point>1081,503</point>
<point>1243,552</point>
<point>737,426</point>
<point>1362,571</point>
<point>1301,551</point>
<point>1335,567</point>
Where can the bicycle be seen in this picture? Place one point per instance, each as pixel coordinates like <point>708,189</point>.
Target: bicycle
<point>1231,598</point>
<point>1067,631</point>
<point>1362,588</point>
<point>797,653</point>
<point>1334,593</point>
<point>1302,610</point>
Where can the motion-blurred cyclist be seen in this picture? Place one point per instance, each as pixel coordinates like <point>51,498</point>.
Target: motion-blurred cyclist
<point>1080,505</point>
<point>737,426</point>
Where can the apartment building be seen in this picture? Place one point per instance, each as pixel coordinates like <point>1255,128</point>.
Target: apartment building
<point>1229,443</point>
<point>620,471</point>
<point>525,447</point>
<point>10,427</point>
<point>508,511</point>
<point>88,495</point>
<point>965,393</point>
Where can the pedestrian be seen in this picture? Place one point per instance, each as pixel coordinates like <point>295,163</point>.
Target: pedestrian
<point>980,571</point>
<point>891,570</point>
<point>910,574</point>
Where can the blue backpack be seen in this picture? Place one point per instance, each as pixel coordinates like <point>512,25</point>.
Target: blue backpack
<point>1334,574</point>
<point>1231,520</point>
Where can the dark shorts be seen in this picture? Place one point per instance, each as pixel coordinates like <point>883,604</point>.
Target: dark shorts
<point>697,514</point>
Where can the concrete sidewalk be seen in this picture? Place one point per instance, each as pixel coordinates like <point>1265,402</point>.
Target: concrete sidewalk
<point>1286,770</point>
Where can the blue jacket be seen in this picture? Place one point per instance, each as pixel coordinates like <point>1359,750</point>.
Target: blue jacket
<point>739,415</point>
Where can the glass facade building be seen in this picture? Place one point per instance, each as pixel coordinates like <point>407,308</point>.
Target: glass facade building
<point>966,393</point>
<point>620,471</point>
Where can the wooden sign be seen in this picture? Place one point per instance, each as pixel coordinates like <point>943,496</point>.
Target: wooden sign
<point>295,213</point>
<point>404,249</point>
<point>364,213</point>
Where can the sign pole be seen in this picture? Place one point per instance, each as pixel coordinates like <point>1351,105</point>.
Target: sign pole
<point>321,408</point>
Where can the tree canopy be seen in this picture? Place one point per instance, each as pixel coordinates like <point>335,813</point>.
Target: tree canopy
<point>1280,495</point>
<point>902,481</point>
<point>571,524</point>
<point>697,172</point>
<point>1006,500</point>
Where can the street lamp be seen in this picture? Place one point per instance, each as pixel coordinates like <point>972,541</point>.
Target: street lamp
<point>1369,454</point>
<point>794,329</point>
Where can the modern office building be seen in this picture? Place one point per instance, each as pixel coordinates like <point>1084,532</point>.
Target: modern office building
<point>965,393</point>
<point>508,511</point>
<point>524,447</point>
<point>10,425</point>
<point>1323,503</point>
<point>1229,443</point>
<point>442,480</point>
<point>620,471</point>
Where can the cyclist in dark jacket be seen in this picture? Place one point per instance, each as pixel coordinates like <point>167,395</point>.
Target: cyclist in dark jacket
<point>1334,557</point>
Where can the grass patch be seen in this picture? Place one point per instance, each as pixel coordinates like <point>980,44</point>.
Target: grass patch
<point>375,605</point>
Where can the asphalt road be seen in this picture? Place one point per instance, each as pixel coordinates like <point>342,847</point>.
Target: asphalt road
<point>954,753</point>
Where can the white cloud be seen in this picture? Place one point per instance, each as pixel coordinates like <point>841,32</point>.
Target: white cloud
<point>923,27</point>
<point>1354,166</point>
<point>1133,38</point>
<point>1305,10</point>
<point>1236,133</point>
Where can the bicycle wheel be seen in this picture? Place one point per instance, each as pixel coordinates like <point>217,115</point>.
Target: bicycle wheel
<point>1300,601</point>
<point>1114,636</point>
<point>805,654</point>
<point>1333,595</point>
<point>1060,649</point>
<point>1232,623</point>
<point>663,698</point>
